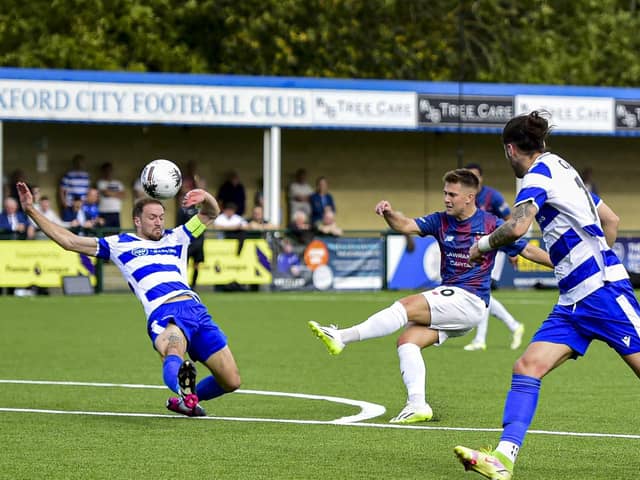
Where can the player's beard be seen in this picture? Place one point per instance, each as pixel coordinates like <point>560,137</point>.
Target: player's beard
<point>154,234</point>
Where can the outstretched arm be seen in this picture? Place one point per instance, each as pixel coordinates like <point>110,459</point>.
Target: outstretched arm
<point>510,231</point>
<point>537,255</point>
<point>396,220</point>
<point>60,235</point>
<point>209,208</point>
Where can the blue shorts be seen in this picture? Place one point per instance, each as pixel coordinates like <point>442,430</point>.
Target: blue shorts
<point>610,314</point>
<point>204,337</point>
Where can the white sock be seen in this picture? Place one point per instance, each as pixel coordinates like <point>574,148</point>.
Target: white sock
<point>481,330</point>
<point>509,450</point>
<point>497,310</point>
<point>414,372</point>
<point>385,322</point>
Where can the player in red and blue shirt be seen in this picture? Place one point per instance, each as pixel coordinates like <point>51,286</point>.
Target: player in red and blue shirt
<point>453,237</point>
<point>449,310</point>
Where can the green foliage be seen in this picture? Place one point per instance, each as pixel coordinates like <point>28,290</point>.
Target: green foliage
<point>565,42</point>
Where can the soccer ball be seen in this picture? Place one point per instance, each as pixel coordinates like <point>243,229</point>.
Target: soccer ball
<point>161,179</point>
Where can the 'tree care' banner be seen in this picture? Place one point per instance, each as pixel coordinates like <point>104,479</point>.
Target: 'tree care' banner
<point>329,263</point>
<point>42,263</point>
<point>229,260</point>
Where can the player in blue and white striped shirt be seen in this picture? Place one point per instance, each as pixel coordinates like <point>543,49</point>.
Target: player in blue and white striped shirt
<point>596,301</point>
<point>153,261</point>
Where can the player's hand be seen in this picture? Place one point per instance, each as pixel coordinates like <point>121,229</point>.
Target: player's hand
<point>193,197</point>
<point>26,199</point>
<point>475,255</point>
<point>382,207</point>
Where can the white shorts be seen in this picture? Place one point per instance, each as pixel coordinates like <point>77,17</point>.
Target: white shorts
<point>454,311</point>
<point>498,266</point>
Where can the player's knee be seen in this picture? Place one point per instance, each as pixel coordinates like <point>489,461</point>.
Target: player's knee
<point>531,367</point>
<point>232,384</point>
<point>404,338</point>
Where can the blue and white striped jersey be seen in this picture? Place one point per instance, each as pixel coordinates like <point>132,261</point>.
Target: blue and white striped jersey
<point>571,228</point>
<point>155,270</point>
<point>76,183</point>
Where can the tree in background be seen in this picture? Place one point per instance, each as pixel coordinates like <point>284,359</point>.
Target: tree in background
<point>584,43</point>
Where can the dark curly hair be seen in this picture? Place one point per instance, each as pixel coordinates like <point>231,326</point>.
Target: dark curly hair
<point>527,132</point>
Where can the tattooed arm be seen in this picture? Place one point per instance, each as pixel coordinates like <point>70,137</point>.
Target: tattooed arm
<point>510,231</point>
<point>609,221</point>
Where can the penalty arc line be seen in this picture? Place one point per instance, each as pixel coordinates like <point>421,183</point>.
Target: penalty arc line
<point>368,411</point>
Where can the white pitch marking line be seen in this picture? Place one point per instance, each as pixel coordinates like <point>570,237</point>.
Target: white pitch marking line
<point>311,422</point>
<point>368,410</point>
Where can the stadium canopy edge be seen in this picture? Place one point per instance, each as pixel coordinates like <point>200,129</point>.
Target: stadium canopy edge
<point>52,95</point>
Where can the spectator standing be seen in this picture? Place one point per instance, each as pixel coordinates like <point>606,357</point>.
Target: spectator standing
<point>190,180</point>
<point>74,183</point>
<point>232,191</point>
<point>111,194</point>
<point>299,193</point>
<point>320,200</point>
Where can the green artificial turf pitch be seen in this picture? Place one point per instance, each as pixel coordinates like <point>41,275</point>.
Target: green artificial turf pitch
<point>52,430</point>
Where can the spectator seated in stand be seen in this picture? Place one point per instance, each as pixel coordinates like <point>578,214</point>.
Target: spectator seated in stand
<point>288,261</point>
<point>43,205</point>
<point>299,228</point>
<point>229,221</point>
<point>92,211</point>
<point>14,224</point>
<point>258,222</point>
<point>328,225</point>
<point>80,217</point>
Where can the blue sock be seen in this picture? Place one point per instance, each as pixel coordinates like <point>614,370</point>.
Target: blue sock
<point>170,368</point>
<point>209,388</point>
<point>520,407</point>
